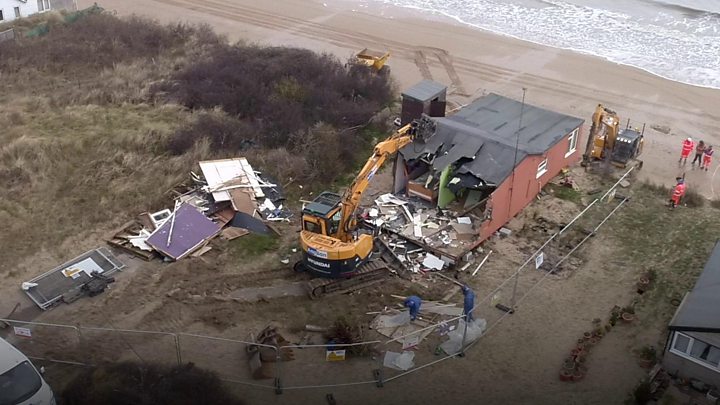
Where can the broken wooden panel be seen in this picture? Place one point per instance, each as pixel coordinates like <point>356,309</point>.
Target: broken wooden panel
<point>186,231</point>
<point>122,238</point>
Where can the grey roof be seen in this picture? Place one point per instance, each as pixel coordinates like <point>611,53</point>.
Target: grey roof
<point>425,90</point>
<point>700,310</point>
<point>481,137</point>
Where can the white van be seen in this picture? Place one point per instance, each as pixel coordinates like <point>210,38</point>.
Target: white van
<point>20,382</point>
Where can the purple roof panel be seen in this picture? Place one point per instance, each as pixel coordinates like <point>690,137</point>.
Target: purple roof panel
<point>190,230</point>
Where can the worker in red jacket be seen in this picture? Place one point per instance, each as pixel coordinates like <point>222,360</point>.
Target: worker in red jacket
<point>687,146</point>
<point>707,157</point>
<point>678,193</point>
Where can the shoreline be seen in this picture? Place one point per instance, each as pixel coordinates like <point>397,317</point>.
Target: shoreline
<point>437,16</point>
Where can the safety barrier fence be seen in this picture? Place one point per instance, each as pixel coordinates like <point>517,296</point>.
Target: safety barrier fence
<point>307,366</point>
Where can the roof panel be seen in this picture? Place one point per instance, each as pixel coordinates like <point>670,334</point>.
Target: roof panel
<point>425,90</point>
<point>700,310</point>
<point>493,122</point>
<point>190,229</point>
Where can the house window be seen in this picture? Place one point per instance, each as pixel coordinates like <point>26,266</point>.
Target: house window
<point>1,16</point>
<point>17,12</point>
<point>572,142</point>
<point>696,350</point>
<point>542,169</point>
<point>43,5</point>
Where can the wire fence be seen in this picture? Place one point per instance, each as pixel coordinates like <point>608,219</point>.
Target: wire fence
<point>312,366</point>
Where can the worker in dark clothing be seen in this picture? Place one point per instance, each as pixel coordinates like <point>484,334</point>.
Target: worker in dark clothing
<point>699,150</point>
<point>413,303</point>
<point>707,158</point>
<point>469,303</point>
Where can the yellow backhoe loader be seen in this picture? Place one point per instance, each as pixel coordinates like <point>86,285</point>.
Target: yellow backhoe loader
<point>334,248</point>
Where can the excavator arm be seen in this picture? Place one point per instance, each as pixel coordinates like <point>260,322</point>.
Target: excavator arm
<point>603,134</point>
<point>351,197</point>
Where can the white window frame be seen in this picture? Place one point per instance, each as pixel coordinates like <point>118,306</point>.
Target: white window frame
<point>43,5</point>
<point>686,355</point>
<point>542,168</point>
<point>572,142</point>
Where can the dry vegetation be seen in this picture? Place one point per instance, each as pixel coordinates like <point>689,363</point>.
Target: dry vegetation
<point>132,383</point>
<point>103,115</point>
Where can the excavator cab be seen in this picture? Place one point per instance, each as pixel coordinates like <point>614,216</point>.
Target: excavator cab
<point>322,216</point>
<point>324,254</point>
<point>628,146</point>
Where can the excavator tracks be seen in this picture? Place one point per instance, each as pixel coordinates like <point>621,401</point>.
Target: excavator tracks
<point>369,273</point>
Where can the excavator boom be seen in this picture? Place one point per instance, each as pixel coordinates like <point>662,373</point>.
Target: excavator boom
<point>351,197</point>
<point>332,246</point>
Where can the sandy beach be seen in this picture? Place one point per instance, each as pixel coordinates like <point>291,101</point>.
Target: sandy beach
<point>472,62</point>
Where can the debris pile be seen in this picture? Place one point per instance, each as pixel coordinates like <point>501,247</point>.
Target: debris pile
<point>421,237</point>
<point>229,198</point>
<point>434,318</point>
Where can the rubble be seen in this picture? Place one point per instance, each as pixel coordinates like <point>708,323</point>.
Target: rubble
<point>421,237</point>
<point>230,198</point>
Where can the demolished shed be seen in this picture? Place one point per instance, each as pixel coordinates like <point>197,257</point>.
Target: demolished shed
<point>494,155</point>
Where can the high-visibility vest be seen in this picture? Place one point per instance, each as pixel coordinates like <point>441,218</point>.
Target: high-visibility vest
<point>687,146</point>
<point>679,190</point>
<point>709,152</point>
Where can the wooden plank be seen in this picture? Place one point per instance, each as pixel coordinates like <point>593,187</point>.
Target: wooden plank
<point>147,256</point>
<point>201,251</point>
<point>251,177</point>
<point>233,233</point>
<point>243,201</point>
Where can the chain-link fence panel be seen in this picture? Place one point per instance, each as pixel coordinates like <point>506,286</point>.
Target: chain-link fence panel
<point>113,345</point>
<point>233,360</point>
<point>46,341</point>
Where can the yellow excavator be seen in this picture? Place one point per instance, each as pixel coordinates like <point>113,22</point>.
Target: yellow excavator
<point>334,248</point>
<point>607,142</point>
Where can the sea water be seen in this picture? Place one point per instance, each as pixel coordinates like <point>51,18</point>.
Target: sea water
<point>675,39</point>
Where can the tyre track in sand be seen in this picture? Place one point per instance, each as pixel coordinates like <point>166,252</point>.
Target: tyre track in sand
<point>485,72</point>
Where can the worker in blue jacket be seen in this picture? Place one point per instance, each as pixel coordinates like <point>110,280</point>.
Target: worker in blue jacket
<point>469,303</point>
<point>413,303</point>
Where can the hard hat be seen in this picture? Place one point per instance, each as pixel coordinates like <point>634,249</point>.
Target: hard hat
<point>689,139</point>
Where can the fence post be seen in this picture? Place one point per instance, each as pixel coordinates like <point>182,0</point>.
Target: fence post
<point>177,349</point>
<point>378,373</point>
<point>278,374</point>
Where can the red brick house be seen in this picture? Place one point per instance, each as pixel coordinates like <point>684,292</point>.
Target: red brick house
<point>486,156</point>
